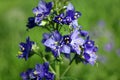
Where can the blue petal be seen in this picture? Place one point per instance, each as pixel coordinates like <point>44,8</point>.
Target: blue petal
<point>70,7</point>
<point>57,36</point>
<point>75,34</point>
<point>65,49</point>
<point>76,48</point>
<point>78,41</point>
<point>42,5</point>
<point>74,24</point>
<point>83,33</point>
<point>50,43</point>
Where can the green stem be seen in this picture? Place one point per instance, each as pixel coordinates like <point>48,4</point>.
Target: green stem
<point>57,68</point>
<point>69,66</point>
<point>49,65</point>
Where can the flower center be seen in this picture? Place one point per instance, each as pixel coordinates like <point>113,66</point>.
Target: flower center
<point>76,15</point>
<point>66,39</point>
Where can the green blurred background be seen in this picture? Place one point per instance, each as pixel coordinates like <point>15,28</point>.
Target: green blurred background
<point>100,18</point>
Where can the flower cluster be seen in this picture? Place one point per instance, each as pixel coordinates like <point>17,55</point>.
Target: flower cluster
<point>69,17</point>
<point>75,41</point>
<point>26,49</point>
<point>40,72</point>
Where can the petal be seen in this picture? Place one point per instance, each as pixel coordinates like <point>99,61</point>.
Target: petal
<point>78,41</point>
<point>92,59</point>
<point>77,49</point>
<point>57,36</point>
<point>70,7</point>
<point>74,24</point>
<point>42,5</point>
<point>46,66</point>
<point>35,10</point>
<point>65,49</point>
<point>75,34</point>
<point>83,33</point>
<point>50,43</point>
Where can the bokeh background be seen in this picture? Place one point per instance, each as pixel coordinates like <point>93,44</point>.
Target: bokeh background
<point>100,18</point>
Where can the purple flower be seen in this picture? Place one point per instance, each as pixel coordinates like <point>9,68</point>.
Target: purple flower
<point>27,75</point>
<point>59,19</point>
<point>89,50</point>
<point>70,17</point>
<point>25,49</point>
<point>72,42</point>
<point>40,72</point>
<point>71,14</point>
<point>42,10</point>
<point>53,42</point>
<point>31,22</point>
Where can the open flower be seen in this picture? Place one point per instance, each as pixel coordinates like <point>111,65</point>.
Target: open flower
<point>72,42</point>
<point>27,75</point>
<point>25,49</point>
<point>89,52</point>
<point>40,72</point>
<point>69,17</point>
<point>71,14</point>
<point>42,10</point>
<point>53,42</point>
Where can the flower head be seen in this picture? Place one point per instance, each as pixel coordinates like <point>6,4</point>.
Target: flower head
<point>42,10</point>
<point>72,42</point>
<point>59,19</point>
<point>31,22</point>
<point>40,72</point>
<point>89,51</point>
<point>71,14</point>
<point>27,75</point>
<point>53,42</point>
<point>69,17</point>
<point>25,49</point>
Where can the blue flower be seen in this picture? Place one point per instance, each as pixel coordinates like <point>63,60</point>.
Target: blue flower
<point>59,19</point>
<point>25,49</point>
<point>69,17</point>
<point>31,22</point>
<point>42,10</point>
<point>72,42</point>
<point>27,75</point>
<point>40,72</point>
<point>83,33</point>
<point>71,14</point>
<point>89,52</point>
<point>53,42</point>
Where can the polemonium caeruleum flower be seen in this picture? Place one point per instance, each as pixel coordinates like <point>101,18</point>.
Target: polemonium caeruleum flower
<point>59,19</point>
<point>89,51</point>
<point>25,49</point>
<point>42,10</point>
<point>40,72</point>
<point>69,18</point>
<point>27,75</point>
<point>72,43</point>
<point>53,42</point>
<point>31,22</point>
<point>71,14</point>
